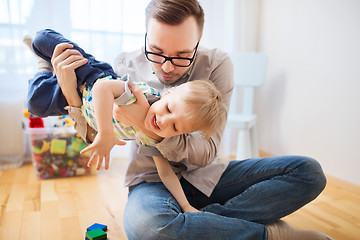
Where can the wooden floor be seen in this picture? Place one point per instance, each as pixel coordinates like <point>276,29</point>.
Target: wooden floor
<point>64,208</point>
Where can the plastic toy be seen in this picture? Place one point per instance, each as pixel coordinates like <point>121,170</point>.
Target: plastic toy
<point>75,144</point>
<point>36,122</point>
<point>96,231</point>
<point>97,225</point>
<point>26,113</point>
<point>58,146</point>
<point>96,234</point>
<point>65,121</point>
<point>44,147</point>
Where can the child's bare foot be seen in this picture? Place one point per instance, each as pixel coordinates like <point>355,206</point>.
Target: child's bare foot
<point>42,64</point>
<point>281,230</point>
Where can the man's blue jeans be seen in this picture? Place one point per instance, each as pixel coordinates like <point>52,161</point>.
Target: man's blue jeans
<point>250,194</point>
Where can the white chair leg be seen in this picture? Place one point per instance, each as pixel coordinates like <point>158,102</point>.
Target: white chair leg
<point>254,143</point>
<point>243,150</point>
<point>226,150</point>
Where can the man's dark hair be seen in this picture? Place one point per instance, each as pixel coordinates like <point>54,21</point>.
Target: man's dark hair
<point>174,12</point>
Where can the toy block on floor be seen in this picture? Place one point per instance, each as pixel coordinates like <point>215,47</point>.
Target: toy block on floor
<point>96,234</point>
<point>97,225</point>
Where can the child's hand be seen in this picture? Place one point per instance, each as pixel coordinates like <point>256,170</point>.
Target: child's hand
<point>190,208</point>
<point>101,148</point>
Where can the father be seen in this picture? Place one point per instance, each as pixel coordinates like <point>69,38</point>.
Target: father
<point>240,199</point>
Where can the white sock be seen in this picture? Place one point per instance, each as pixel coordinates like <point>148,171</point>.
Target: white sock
<point>42,64</point>
<point>281,230</point>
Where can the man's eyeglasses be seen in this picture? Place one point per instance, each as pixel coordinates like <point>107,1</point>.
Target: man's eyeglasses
<point>176,61</point>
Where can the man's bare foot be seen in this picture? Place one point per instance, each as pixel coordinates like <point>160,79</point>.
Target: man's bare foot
<point>281,230</point>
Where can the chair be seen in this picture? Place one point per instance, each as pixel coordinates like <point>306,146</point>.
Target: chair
<point>249,72</point>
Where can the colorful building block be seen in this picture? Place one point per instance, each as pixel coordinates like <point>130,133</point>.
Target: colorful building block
<point>36,122</point>
<point>96,234</point>
<point>45,147</point>
<point>75,144</point>
<point>58,146</point>
<point>82,146</point>
<point>65,121</point>
<point>97,225</point>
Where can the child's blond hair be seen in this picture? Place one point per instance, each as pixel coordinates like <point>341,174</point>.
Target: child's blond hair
<point>209,111</point>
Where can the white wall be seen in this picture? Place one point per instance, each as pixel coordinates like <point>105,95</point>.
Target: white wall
<point>231,25</point>
<point>310,102</point>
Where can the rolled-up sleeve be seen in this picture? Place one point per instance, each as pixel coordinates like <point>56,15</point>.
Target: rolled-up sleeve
<point>81,125</point>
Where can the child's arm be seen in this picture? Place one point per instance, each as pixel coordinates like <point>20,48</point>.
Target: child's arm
<point>172,183</point>
<point>104,93</point>
<point>72,97</point>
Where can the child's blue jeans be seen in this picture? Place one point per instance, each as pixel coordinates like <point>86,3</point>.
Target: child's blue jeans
<point>250,194</point>
<point>44,96</point>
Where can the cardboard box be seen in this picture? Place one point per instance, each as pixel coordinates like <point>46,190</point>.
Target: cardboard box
<point>56,152</point>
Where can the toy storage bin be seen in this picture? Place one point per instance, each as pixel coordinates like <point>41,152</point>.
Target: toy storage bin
<point>56,153</point>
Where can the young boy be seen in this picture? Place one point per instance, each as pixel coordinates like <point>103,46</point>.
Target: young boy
<point>193,106</point>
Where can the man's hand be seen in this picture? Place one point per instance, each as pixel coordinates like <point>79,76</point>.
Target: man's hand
<point>134,114</point>
<point>65,60</point>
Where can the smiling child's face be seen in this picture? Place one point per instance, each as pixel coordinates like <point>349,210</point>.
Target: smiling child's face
<point>170,115</point>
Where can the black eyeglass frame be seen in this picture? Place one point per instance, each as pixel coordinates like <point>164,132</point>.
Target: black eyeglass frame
<point>170,58</point>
